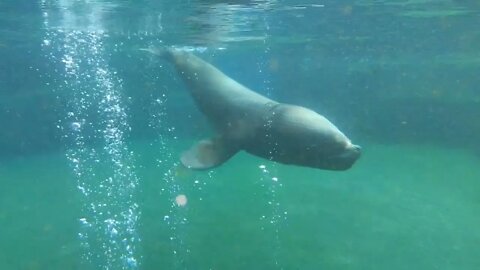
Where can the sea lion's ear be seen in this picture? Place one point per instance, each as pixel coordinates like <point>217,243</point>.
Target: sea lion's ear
<point>208,154</point>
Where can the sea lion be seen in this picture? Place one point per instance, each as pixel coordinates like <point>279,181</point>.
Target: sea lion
<point>246,120</point>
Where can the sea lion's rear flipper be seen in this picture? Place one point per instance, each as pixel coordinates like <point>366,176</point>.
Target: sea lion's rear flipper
<point>208,154</point>
<point>162,52</point>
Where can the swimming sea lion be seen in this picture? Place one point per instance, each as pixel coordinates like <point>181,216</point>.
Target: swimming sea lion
<point>246,120</point>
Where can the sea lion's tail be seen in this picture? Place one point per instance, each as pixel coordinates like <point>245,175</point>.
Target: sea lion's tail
<point>159,51</point>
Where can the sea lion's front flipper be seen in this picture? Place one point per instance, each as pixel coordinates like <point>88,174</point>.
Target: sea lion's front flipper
<point>208,154</point>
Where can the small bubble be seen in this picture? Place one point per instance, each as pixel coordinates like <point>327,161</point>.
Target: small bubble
<point>132,262</point>
<point>275,179</point>
<point>181,200</point>
<point>262,167</point>
<point>76,126</point>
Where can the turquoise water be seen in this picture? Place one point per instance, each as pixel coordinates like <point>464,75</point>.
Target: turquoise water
<point>92,131</point>
<point>389,212</point>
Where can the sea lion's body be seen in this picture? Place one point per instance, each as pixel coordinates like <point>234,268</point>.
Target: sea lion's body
<point>246,120</point>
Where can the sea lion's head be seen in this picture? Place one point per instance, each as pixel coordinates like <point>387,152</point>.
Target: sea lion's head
<point>306,138</point>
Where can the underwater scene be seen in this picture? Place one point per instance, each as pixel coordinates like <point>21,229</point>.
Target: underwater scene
<point>242,134</point>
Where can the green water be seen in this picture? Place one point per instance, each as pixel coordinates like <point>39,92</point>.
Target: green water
<point>400,78</point>
<point>401,207</point>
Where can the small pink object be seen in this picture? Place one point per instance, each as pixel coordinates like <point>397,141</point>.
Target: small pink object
<point>181,200</point>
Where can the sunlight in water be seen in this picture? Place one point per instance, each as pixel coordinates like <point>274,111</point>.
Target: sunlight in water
<point>176,218</point>
<point>95,112</point>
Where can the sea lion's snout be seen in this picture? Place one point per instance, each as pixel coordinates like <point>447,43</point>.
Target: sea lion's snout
<point>346,158</point>
<point>356,152</point>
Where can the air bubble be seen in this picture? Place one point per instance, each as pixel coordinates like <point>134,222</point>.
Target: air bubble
<point>131,262</point>
<point>76,126</point>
